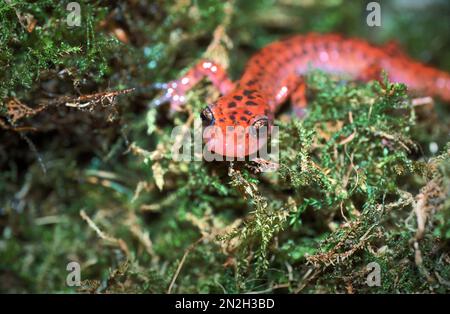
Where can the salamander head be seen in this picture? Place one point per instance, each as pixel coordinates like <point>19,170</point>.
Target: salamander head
<point>238,124</point>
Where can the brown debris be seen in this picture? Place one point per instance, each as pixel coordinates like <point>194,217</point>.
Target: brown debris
<point>427,202</point>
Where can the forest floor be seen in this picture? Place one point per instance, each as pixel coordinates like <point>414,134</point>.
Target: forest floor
<point>87,174</point>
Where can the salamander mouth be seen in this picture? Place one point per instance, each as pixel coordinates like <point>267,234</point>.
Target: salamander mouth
<point>236,142</point>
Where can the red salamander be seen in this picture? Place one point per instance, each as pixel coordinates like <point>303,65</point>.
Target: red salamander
<point>275,73</point>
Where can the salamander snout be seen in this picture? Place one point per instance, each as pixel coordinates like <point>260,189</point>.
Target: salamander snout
<point>235,131</point>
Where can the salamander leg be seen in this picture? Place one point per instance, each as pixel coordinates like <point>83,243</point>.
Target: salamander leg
<point>175,91</point>
<point>294,88</point>
<point>372,72</point>
<point>299,100</point>
<point>393,48</point>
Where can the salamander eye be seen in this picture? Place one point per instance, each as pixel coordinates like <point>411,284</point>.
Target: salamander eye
<point>207,117</point>
<point>260,123</point>
<point>260,126</point>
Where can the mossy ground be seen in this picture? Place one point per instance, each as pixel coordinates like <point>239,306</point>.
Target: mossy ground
<point>355,176</point>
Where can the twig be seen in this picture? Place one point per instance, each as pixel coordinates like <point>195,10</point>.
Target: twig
<point>114,241</point>
<point>33,148</point>
<point>143,237</point>
<point>422,101</point>
<point>84,101</point>
<point>183,259</point>
<point>270,289</point>
<point>307,278</point>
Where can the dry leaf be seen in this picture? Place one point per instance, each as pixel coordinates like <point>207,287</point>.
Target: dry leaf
<point>158,174</point>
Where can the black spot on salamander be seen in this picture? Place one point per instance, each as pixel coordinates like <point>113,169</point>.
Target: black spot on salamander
<point>248,112</point>
<point>251,82</point>
<point>243,118</point>
<point>248,92</point>
<point>288,58</point>
<point>222,120</point>
<point>251,97</point>
<point>233,117</point>
<point>364,55</point>
<point>234,112</point>
<point>196,74</point>
<point>231,104</point>
<point>237,97</point>
<point>251,103</point>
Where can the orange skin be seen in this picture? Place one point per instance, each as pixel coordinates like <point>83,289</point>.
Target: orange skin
<point>275,73</point>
